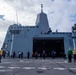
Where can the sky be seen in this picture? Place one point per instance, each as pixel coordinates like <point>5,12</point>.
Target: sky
<point>61,14</point>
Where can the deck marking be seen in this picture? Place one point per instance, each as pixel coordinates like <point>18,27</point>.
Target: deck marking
<point>72,68</point>
<point>43,68</point>
<point>14,67</point>
<point>2,67</point>
<point>28,68</point>
<point>2,70</point>
<point>60,68</point>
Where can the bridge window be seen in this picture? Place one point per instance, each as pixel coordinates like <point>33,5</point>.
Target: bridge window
<point>14,31</point>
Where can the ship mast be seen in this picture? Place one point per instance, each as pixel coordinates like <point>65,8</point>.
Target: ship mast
<point>41,8</point>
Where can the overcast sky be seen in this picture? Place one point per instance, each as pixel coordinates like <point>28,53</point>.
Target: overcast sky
<point>61,14</point>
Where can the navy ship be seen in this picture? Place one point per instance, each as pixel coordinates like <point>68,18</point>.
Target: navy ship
<point>38,38</point>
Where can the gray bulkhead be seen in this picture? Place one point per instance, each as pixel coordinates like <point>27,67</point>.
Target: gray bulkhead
<point>20,38</point>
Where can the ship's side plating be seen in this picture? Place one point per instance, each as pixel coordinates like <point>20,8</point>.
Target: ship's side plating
<point>20,38</point>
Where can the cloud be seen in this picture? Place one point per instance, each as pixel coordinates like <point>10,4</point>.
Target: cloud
<point>4,24</point>
<point>2,38</point>
<point>72,17</point>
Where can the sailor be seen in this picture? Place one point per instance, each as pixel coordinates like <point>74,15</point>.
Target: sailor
<point>1,53</point>
<point>74,53</point>
<point>21,54</point>
<point>7,53</point>
<point>44,54</point>
<point>53,54</point>
<point>28,54</point>
<point>0,57</point>
<point>14,54</point>
<point>11,54</point>
<point>36,55</point>
<point>69,55</point>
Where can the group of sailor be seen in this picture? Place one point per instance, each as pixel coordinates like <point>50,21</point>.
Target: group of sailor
<point>71,54</point>
<point>44,54</point>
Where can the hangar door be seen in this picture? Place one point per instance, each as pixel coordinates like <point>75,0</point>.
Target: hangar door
<point>49,44</point>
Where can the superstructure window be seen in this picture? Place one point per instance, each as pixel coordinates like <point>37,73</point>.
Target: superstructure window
<point>14,31</point>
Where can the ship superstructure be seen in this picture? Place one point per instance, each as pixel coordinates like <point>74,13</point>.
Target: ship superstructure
<point>38,38</point>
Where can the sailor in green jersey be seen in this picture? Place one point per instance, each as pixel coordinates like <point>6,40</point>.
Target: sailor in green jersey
<point>69,55</point>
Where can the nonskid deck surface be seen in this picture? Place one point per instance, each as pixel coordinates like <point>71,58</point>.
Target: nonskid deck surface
<point>33,66</point>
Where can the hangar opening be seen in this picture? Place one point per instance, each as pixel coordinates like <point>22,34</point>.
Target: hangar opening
<point>56,44</point>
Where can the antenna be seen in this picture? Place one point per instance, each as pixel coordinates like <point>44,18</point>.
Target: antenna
<point>41,7</point>
<point>16,17</point>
